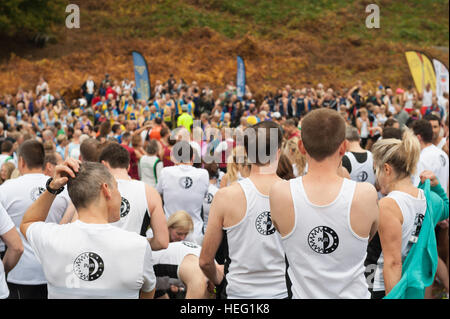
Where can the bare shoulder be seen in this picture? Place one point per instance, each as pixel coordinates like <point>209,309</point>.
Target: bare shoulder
<point>229,194</point>
<point>365,192</point>
<point>280,190</point>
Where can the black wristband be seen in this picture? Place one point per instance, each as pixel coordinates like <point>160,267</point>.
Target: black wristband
<point>53,191</point>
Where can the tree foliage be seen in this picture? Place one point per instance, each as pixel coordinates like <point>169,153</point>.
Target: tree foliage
<point>30,16</point>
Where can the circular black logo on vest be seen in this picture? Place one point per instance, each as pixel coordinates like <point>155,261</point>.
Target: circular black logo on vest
<point>209,198</point>
<point>362,177</point>
<point>124,207</point>
<point>186,182</point>
<point>88,266</point>
<point>443,160</point>
<point>323,240</point>
<point>36,192</point>
<point>264,224</point>
<point>190,245</point>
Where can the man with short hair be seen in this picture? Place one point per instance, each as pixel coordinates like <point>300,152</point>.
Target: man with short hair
<point>27,279</point>
<point>357,161</point>
<point>89,258</point>
<point>435,122</point>
<point>150,166</point>
<point>183,187</point>
<point>6,153</point>
<point>141,206</point>
<point>431,158</point>
<point>240,215</point>
<point>325,221</point>
<point>89,150</point>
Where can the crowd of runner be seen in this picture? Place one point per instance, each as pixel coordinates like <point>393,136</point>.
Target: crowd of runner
<point>339,208</point>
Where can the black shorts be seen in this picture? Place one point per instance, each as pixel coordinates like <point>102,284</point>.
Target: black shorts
<point>27,291</point>
<point>377,294</point>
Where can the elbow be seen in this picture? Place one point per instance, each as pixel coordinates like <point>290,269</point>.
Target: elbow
<point>203,263</point>
<point>17,248</point>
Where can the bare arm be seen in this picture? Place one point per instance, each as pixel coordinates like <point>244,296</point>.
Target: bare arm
<point>213,238</point>
<point>282,207</point>
<point>38,211</point>
<point>147,295</point>
<point>15,249</point>
<point>158,222</point>
<point>390,231</point>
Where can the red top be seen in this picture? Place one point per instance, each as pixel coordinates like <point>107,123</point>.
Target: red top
<point>133,171</point>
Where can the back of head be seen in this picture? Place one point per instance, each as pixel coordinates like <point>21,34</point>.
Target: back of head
<point>7,146</point>
<point>392,132</point>
<point>32,152</point>
<point>213,170</point>
<point>89,150</point>
<point>115,155</point>
<point>285,169</point>
<point>152,147</point>
<point>351,134</point>
<point>323,131</point>
<point>85,188</point>
<point>262,141</point>
<point>402,155</point>
<point>423,129</point>
<point>181,219</point>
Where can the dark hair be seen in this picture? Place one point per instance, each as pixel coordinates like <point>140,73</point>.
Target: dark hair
<point>262,130</point>
<point>152,147</point>
<point>105,128</point>
<point>50,157</point>
<point>158,120</point>
<point>390,122</point>
<point>424,129</point>
<point>115,155</point>
<point>32,153</point>
<point>115,127</point>
<point>7,146</point>
<point>392,132</point>
<point>213,170</point>
<point>89,151</point>
<point>164,131</point>
<point>323,131</point>
<point>284,169</point>
<point>432,117</point>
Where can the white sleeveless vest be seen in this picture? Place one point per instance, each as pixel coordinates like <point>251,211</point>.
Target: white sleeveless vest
<point>326,257</point>
<point>413,211</point>
<point>134,214</point>
<point>362,172</point>
<point>255,267</point>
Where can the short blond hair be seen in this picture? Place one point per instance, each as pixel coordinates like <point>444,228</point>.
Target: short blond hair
<point>181,219</point>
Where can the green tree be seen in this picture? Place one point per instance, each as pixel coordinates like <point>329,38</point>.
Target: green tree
<point>30,16</point>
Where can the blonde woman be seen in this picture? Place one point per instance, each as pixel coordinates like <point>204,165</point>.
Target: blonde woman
<point>6,171</point>
<point>180,224</point>
<point>403,212</point>
<point>237,167</point>
<point>298,160</point>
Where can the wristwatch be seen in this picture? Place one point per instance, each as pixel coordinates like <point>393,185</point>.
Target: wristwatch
<point>53,191</point>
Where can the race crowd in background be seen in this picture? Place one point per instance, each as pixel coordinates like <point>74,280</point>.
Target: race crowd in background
<point>135,141</point>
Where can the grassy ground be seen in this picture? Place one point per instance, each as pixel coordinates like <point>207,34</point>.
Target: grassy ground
<point>284,41</point>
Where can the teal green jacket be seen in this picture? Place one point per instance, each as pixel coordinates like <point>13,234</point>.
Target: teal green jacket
<point>419,267</point>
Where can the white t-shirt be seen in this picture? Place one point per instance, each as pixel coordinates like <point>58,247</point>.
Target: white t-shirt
<point>84,261</point>
<point>6,225</point>
<point>184,187</point>
<point>427,98</point>
<point>435,160</point>
<point>16,196</point>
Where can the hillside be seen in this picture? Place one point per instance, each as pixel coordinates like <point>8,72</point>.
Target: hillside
<point>286,41</point>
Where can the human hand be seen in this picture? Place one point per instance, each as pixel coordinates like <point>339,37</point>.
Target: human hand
<point>429,175</point>
<point>62,173</point>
